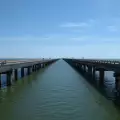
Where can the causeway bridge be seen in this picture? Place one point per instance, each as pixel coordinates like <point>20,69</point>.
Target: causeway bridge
<point>88,66</point>
<point>11,67</point>
<point>59,89</point>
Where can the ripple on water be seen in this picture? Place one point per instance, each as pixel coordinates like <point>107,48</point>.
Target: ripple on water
<point>58,93</point>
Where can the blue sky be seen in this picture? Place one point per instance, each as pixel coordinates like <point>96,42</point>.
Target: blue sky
<point>60,28</point>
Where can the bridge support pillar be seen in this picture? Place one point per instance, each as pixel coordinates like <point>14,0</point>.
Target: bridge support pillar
<point>90,70</point>
<point>80,66</point>
<point>93,73</point>
<point>33,68</point>
<point>36,67</point>
<point>76,64</point>
<point>39,65</point>
<point>15,74</point>
<point>0,81</point>
<point>22,72</point>
<point>9,75</point>
<point>84,68</point>
<point>101,76</point>
<point>117,80</point>
<point>43,65</point>
<point>28,70</point>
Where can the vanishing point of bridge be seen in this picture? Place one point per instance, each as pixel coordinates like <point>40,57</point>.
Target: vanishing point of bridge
<point>88,66</point>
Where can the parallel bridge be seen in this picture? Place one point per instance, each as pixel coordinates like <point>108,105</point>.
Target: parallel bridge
<point>11,68</point>
<point>89,66</point>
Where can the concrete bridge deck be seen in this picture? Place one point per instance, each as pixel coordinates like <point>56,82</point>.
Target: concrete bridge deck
<point>87,65</point>
<point>13,61</point>
<point>15,64</point>
<point>107,65</point>
<point>10,68</point>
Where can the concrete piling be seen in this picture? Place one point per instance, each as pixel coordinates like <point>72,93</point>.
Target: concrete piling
<point>9,75</point>
<point>31,66</point>
<point>93,73</point>
<point>0,81</point>
<point>84,68</point>
<point>101,76</point>
<point>15,74</point>
<point>117,80</point>
<point>28,70</point>
<point>90,70</point>
<point>22,72</point>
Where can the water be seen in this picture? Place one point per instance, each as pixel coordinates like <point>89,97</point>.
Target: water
<point>57,92</point>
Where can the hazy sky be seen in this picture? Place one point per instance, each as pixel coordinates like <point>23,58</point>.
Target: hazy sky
<point>60,28</point>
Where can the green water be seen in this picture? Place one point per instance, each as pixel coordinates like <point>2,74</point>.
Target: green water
<point>57,92</point>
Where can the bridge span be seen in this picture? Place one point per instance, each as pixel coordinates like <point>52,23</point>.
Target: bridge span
<point>89,66</point>
<point>58,91</point>
<point>11,67</point>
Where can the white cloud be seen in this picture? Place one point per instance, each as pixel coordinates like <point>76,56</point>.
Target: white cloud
<point>49,37</point>
<point>88,23</point>
<point>95,39</point>
<point>53,40</point>
<point>112,28</point>
<point>24,38</point>
<point>72,24</point>
<point>81,39</point>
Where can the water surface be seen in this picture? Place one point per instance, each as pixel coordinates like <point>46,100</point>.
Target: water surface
<point>57,92</point>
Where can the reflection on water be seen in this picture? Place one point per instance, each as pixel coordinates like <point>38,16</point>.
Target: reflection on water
<point>55,93</point>
<point>109,84</point>
<point>108,88</point>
